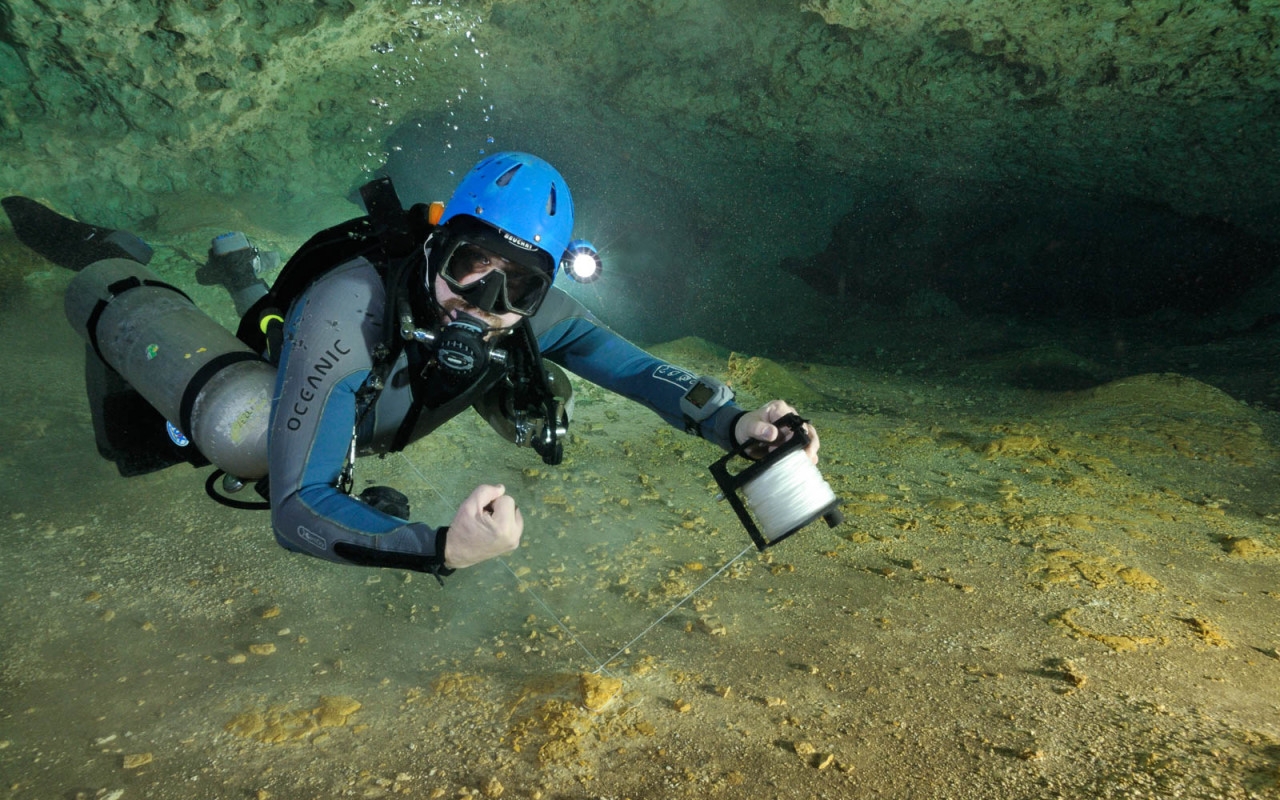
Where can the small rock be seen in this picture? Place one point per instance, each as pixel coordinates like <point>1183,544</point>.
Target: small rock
<point>135,760</point>
<point>262,649</point>
<point>598,690</point>
<point>712,626</point>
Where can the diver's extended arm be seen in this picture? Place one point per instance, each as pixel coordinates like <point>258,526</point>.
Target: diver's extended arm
<point>569,335</point>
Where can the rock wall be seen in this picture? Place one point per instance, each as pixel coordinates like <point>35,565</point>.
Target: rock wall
<point>1148,97</point>
<point>1161,99</point>
<point>109,106</point>
<point>758,124</point>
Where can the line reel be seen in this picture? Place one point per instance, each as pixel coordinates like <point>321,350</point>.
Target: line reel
<point>784,489</point>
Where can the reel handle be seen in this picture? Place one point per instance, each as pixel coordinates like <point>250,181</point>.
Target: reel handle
<point>799,437</point>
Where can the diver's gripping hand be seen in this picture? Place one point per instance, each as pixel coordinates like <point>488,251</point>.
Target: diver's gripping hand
<point>758,428</point>
<point>487,524</point>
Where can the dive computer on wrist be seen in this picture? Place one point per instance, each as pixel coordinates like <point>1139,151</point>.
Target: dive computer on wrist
<point>703,400</point>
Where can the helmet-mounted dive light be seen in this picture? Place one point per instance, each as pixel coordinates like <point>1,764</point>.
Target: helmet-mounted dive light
<point>581,261</point>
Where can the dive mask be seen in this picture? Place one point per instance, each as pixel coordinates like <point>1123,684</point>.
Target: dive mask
<point>511,280</point>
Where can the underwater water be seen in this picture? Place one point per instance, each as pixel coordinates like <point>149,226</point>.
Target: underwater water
<point>1037,337</point>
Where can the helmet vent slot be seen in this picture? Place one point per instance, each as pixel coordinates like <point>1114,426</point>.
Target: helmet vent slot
<point>506,177</point>
<point>551,201</point>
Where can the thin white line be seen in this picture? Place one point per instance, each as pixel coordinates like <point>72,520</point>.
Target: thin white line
<point>622,649</point>
<point>600,667</point>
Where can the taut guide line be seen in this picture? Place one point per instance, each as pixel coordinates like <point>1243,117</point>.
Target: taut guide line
<point>601,666</point>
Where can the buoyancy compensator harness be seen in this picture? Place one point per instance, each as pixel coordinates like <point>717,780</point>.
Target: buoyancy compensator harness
<point>450,367</point>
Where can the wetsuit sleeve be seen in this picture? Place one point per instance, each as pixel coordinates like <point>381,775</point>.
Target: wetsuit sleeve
<point>326,358</point>
<point>570,336</point>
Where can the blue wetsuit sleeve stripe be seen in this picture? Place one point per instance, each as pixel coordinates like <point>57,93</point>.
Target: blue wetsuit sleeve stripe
<point>325,362</point>
<point>324,465</point>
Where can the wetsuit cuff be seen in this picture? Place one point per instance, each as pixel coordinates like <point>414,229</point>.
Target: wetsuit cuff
<point>438,568</point>
<point>722,424</point>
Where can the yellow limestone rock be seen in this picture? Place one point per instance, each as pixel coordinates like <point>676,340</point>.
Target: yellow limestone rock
<point>334,710</point>
<point>1245,547</point>
<point>1139,579</point>
<point>1206,630</point>
<point>135,760</point>
<point>1119,643</point>
<point>598,691</point>
<point>279,724</point>
<point>763,377</point>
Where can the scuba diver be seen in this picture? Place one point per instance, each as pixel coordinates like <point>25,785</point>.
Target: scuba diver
<point>375,333</point>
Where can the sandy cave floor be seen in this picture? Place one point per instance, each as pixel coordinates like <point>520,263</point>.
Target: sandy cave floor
<point>1035,594</point>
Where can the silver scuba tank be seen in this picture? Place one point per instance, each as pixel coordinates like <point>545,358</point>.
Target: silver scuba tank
<point>192,370</point>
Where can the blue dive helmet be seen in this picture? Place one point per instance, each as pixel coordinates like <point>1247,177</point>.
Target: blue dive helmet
<point>522,196</point>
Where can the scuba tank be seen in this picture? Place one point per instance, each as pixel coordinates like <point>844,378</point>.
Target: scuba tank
<point>188,367</point>
<point>217,389</point>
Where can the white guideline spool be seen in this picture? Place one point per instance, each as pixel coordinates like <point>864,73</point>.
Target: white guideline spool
<point>788,495</point>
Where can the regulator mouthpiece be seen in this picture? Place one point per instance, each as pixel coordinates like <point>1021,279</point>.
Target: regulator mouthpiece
<point>784,490</point>
<point>462,352</point>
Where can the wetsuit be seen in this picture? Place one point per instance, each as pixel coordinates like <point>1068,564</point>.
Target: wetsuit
<point>330,333</point>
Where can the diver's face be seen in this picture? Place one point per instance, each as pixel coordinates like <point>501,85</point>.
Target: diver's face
<point>480,263</point>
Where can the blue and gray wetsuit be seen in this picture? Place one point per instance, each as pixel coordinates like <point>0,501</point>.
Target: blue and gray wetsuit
<point>330,334</point>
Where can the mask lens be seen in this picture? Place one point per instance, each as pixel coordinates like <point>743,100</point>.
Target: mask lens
<point>525,287</point>
<point>471,272</point>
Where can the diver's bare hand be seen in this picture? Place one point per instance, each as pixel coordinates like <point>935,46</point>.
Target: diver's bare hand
<point>487,524</point>
<point>758,426</point>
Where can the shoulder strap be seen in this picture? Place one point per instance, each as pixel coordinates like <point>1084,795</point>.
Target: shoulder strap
<point>389,235</point>
<point>320,254</point>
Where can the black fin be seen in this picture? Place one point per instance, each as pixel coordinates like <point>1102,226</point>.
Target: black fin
<point>67,242</point>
